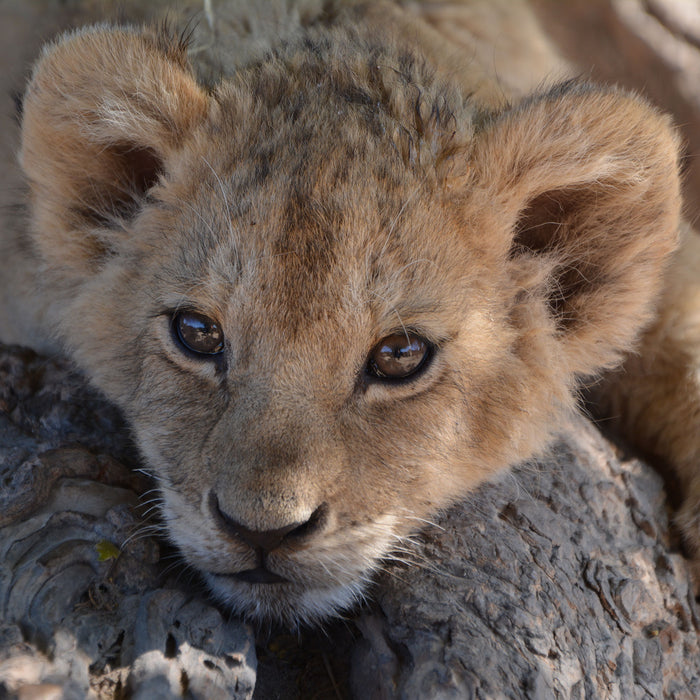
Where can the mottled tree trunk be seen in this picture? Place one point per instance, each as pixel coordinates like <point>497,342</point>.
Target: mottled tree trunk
<point>85,605</point>
<point>559,582</point>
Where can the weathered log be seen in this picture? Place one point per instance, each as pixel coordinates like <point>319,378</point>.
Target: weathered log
<point>561,581</point>
<point>84,603</point>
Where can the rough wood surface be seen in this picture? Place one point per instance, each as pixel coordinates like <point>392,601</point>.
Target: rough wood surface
<point>559,582</point>
<point>84,602</point>
<point>564,581</point>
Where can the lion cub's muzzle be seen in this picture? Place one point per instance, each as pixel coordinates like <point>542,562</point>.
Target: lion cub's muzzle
<point>290,536</point>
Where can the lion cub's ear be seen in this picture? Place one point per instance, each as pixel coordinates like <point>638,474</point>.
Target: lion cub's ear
<point>104,109</point>
<point>584,182</point>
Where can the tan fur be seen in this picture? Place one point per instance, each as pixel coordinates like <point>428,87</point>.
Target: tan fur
<point>654,398</point>
<point>365,178</point>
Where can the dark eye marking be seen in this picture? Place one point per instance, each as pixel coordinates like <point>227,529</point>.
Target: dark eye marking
<point>198,333</point>
<point>399,356</point>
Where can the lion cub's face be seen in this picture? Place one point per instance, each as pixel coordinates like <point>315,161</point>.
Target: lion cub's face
<point>326,300</point>
<point>301,346</point>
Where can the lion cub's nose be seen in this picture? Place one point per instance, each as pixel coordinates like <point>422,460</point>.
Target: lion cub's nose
<point>267,540</point>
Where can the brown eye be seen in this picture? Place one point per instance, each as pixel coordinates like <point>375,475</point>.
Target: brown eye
<point>398,356</point>
<point>198,333</point>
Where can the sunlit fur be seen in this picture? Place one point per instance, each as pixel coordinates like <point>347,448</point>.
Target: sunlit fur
<point>364,174</point>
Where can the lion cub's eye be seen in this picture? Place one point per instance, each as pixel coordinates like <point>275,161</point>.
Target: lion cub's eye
<point>399,356</point>
<point>198,333</point>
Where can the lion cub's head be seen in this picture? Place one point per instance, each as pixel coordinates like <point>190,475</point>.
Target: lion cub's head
<point>332,295</point>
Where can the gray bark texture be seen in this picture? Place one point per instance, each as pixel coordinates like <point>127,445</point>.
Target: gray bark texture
<point>562,580</point>
<point>557,582</point>
<point>85,608</point>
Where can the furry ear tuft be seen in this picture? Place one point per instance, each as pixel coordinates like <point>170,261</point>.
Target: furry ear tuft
<point>584,182</point>
<point>102,113</point>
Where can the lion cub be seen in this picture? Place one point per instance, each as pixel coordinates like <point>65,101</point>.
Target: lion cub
<point>334,280</point>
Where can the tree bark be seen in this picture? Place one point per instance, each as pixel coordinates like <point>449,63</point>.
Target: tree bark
<point>561,581</point>
<point>87,609</point>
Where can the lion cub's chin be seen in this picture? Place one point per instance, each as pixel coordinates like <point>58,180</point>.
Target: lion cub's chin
<point>291,604</point>
<point>299,588</point>
<point>297,581</point>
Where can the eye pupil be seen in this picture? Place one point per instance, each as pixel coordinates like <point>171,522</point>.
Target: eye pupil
<point>398,356</point>
<point>198,333</point>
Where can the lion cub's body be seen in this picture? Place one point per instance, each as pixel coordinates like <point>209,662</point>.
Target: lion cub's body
<point>334,176</point>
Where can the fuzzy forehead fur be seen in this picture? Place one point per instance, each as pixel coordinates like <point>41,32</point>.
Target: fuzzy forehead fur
<point>332,148</point>
<point>335,189</point>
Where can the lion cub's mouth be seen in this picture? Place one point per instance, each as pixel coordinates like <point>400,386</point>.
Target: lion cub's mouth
<point>257,575</point>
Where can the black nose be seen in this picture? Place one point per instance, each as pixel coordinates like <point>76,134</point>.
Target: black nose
<point>267,540</point>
